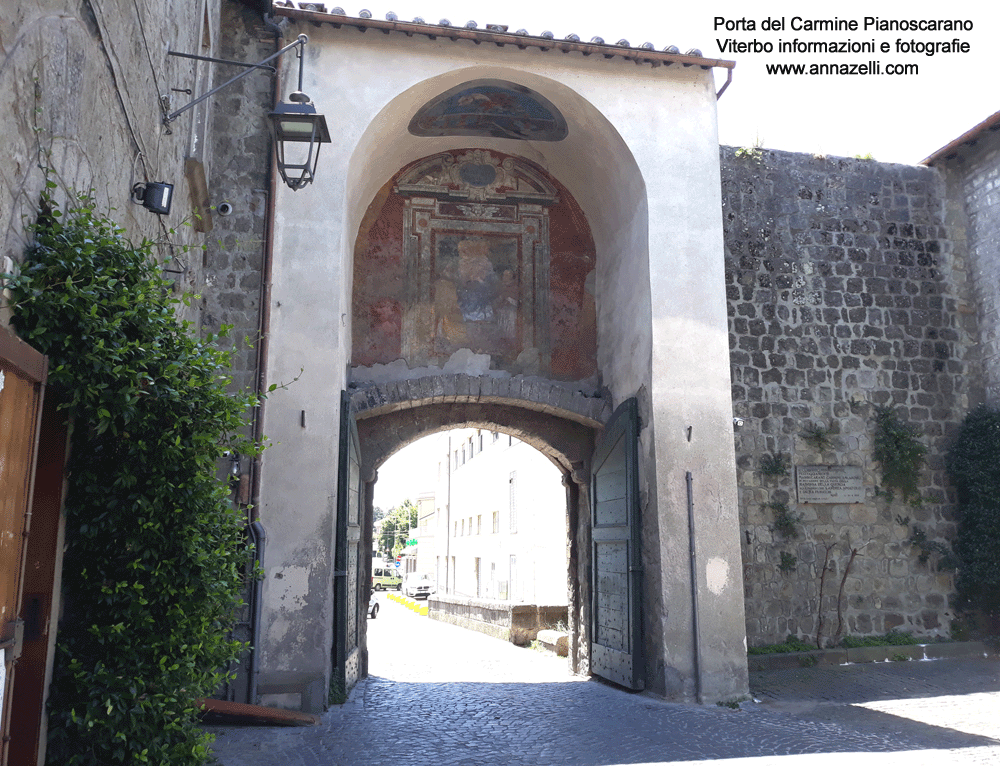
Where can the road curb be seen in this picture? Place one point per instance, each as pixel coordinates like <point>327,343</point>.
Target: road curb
<point>409,603</point>
<point>840,656</point>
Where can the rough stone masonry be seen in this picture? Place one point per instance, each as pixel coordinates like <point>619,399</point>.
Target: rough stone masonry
<point>845,293</point>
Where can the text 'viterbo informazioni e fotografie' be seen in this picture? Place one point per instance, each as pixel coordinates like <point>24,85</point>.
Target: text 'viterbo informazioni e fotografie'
<point>879,36</point>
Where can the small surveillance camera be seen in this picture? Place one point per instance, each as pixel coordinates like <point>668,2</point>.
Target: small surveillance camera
<point>225,208</point>
<point>737,422</point>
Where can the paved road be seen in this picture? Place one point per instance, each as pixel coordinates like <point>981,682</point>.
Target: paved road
<point>442,696</point>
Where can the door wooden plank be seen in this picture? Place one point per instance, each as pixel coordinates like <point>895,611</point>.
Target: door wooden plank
<point>616,644</point>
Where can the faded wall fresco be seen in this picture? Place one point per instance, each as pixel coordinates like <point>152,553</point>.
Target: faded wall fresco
<point>476,250</point>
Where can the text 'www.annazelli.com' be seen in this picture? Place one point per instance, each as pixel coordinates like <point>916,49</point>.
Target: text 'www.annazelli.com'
<point>868,68</point>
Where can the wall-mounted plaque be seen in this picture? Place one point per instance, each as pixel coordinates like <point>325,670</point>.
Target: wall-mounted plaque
<point>829,484</point>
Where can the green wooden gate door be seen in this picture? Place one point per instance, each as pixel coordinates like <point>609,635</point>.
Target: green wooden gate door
<point>348,559</point>
<point>616,648</point>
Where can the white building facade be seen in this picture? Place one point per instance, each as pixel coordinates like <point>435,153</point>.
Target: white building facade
<point>500,520</point>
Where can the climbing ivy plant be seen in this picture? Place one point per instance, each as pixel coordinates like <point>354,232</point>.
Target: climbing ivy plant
<point>153,561</point>
<point>900,454</point>
<point>974,466</point>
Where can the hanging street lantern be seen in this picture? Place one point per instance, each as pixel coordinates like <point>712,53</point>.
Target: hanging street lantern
<point>296,123</point>
<point>299,124</point>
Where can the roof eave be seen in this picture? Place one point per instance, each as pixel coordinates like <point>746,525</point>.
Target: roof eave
<point>501,39</point>
<point>950,151</point>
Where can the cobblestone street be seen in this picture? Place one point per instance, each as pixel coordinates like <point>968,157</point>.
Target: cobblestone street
<point>441,695</point>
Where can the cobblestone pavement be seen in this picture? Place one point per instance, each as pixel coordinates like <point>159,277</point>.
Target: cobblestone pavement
<point>443,696</point>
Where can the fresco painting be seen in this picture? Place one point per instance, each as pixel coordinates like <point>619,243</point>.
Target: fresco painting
<point>494,108</point>
<point>477,295</point>
<point>480,251</point>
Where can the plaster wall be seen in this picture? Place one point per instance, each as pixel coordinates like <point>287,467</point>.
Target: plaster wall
<point>650,177</point>
<point>691,413</point>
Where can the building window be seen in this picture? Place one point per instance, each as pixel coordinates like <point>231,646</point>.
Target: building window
<point>496,522</point>
<point>456,530</point>
<point>479,578</point>
<point>463,454</point>
<point>456,458</point>
<point>480,441</point>
<point>463,527</point>
<point>479,525</point>
<point>512,485</point>
<point>496,435</point>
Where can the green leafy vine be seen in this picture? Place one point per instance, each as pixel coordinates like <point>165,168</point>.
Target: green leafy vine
<point>155,556</point>
<point>900,454</point>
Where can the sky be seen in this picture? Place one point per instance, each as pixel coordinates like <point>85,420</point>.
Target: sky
<point>900,118</point>
<point>406,474</point>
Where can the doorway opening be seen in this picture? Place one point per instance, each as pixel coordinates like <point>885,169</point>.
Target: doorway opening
<point>481,513</point>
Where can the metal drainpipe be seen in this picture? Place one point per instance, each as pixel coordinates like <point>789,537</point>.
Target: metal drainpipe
<point>264,321</point>
<point>729,80</point>
<point>694,590</point>
<point>259,537</point>
<point>264,325</point>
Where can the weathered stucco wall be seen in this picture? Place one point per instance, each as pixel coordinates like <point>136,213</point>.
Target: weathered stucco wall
<point>651,176</point>
<point>845,294</point>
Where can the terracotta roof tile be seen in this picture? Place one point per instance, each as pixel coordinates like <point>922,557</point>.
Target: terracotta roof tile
<point>498,34</point>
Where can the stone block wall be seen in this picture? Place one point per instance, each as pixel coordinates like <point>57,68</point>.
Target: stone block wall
<point>240,177</point>
<point>972,173</point>
<point>495,618</point>
<point>80,97</point>
<point>844,293</point>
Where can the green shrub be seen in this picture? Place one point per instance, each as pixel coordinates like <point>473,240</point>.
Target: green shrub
<point>790,644</point>
<point>785,520</point>
<point>154,553</point>
<point>788,562</point>
<point>774,465</point>
<point>892,638</point>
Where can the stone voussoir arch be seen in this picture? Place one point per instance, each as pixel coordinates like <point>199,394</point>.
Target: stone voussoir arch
<point>557,421</point>
<point>371,399</point>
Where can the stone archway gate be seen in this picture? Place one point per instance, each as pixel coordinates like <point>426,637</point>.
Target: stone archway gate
<point>557,421</point>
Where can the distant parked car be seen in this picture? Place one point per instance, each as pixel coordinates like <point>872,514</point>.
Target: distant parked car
<point>386,578</point>
<point>418,585</point>
<point>373,606</point>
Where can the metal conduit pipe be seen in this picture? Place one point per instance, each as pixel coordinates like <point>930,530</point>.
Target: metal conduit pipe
<point>695,628</point>
<point>257,531</point>
<point>264,318</point>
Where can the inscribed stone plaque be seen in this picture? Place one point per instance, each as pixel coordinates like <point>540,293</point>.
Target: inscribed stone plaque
<point>829,484</point>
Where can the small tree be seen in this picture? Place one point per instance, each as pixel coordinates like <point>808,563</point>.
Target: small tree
<point>396,528</point>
